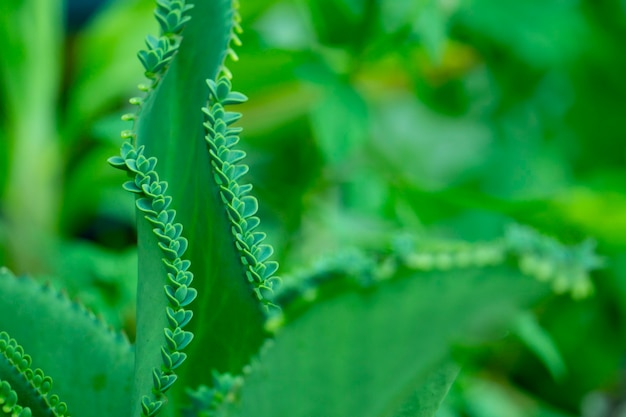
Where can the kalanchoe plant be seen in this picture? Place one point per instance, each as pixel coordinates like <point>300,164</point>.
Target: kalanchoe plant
<point>359,334</point>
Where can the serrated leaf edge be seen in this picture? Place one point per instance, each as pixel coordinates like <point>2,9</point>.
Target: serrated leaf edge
<point>240,206</point>
<point>35,380</point>
<point>153,202</point>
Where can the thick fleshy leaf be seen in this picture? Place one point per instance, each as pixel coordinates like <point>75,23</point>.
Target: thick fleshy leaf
<point>49,326</point>
<point>378,351</point>
<point>228,319</point>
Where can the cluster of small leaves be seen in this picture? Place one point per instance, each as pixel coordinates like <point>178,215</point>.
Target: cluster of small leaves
<point>353,263</point>
<point>225,389</point>
<point>227,171</point>
<point>171,16</point>
<point>205,401</point>
<point>539,256</point>
<point>235,31</point>
<point>362,269</point>
<point>36,380</point>
<point>566,268</point>
<point>152,201</point>
<point>8,403</point>
<point>155,205</point>
<point>444,256</point>
<point>351,268</point>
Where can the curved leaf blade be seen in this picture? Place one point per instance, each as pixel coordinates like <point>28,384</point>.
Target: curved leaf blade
<point>228,319</point>
<point>380,345</point>
<point>71,345</point>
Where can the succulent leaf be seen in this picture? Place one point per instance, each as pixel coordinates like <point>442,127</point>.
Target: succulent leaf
<point>393,351</point>
<point>19,381</point>
<point>153,204</point>
<point>48,325</point>
<point>169,126</point>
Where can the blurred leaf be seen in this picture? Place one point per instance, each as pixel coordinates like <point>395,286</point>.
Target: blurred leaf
<point>527,167</point>
<point>429,149</point>
<point>426,19</point>
<point>431,25</point>
<point>30,75</point>
<point>286,26</point>
<point>268,111</point>
<point>590,343</point>
<point>598,213</point>
<point>379,345</point>
<point>326,227</point>
<point>540,343</point>
<point>106,72</point>
<point>493,398</point>
<point>425,401</point>
<point>104,281</point>
<point>542,33</point>
<point>340,122</point>
<point>92,189</point>
<point>67,340</point>
<point>32,31</point>
<point>340,23</point>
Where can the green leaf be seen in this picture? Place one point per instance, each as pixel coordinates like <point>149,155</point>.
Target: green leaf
<point>540,343</point>
<point>428,19</point>
<point>380,345</point>
<point>48,326</point>
<point>340,122</point>
<point>485,397</point>
<point>105,71</point>
<point>228,319</point>
<point>30,76</point>
<point>20,382</point>
<point>543,34</point>
<point>425,401</point>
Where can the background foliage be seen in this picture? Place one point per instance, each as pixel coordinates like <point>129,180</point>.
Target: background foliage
<point>367,120</point>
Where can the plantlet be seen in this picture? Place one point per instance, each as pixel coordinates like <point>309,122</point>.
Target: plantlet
<point>364,333</point>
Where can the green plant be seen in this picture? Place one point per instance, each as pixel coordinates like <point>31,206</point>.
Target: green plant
<point>363,333</point>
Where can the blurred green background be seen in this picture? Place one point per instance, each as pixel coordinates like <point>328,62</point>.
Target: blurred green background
<point>366,119</point>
